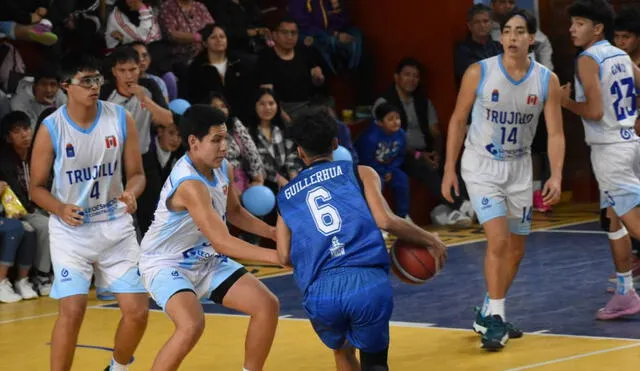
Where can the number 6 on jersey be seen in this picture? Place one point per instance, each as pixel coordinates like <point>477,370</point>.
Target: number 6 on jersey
<point>325,216</point>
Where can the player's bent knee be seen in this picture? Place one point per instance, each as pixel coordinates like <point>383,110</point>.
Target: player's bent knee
<point>269,304</point>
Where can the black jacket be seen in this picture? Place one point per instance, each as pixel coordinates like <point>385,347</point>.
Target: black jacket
<point>422,111</point>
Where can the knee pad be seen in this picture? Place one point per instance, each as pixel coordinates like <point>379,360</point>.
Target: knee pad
<point>605,222</point>
<point>374,361</point>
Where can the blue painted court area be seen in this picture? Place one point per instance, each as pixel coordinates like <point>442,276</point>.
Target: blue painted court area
<point>561,284</point>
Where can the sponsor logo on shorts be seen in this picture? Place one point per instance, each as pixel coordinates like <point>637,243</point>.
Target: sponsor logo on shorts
<point>176,275</point>
<point>65,275</point>
<point>485,203</point>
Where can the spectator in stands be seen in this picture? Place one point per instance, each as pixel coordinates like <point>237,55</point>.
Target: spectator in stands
<point>278,153</point>
<point>78,25</point>
<point>292,72</point>
<point>17,136</point>
<point>140,96</point>
<point>36,94</point>
<point>5,104</point>
<point>145,61</point>
<point>241,21</point>
<point>382,146</point>
<point>216,70</point>
<point>182,21</point>
<point>478,45</point>
<point>164,151</point>
<point>542,49</point>
<point>242,153</point>
<point>36,32</point>
<point>424,145</point>
<point>324,26</point>
<point>132,20</point>
<point>11,244</point>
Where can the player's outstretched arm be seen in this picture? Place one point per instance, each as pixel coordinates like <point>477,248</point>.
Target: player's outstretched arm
<point>41,162</point>
<point>192,195</point>
<point>388,221</point>
<point>243,219</point>
<point>591,109</point>
<point>457,123</point>
<point>555,142</point>
<point>283,240</point>
<point>132,167</point>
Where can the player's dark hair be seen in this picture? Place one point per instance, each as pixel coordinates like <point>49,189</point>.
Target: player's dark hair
<point>314,130</point>
<point>74,64</point>
<point>197,120</point>
<point>597,11</point>
<point>529,18</point>
<point>628,19</point>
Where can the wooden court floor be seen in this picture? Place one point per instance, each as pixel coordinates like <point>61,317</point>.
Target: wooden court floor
<point>431,322</point>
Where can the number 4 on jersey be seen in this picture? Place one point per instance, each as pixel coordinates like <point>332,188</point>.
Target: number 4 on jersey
<point>95,191</point>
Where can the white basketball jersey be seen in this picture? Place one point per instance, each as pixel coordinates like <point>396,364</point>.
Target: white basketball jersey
<point>173,236</point>
<point>88,162</point>
<point>618,88</point>
<point>506,112</point>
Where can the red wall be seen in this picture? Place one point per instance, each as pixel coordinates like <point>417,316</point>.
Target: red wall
<point>424,29</point>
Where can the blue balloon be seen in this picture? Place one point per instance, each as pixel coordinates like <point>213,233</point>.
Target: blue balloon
<point>178,106</point>
<point>342,154</point>
<point>259,200</point>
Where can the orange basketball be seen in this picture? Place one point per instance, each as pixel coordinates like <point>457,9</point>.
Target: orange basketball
<point>413,263</point>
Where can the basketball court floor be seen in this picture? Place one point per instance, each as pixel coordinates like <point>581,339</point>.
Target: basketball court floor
<point>562,282</point>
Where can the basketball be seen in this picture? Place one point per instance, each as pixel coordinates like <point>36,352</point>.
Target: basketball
<point>413,263</point>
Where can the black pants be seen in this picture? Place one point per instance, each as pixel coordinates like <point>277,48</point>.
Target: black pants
<point>432,179</point>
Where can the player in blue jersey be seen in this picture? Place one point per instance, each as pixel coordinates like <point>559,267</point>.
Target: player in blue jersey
<point>88,143</point>
<point>505,95</point>
<point>185,252</point>
<point>328,229</point>
<point>606,81</point>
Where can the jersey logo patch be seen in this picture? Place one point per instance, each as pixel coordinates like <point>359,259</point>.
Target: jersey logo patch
<point>495,95</point>
<point>71,152</point>
<point>532,99</point>
<point>110,141</point>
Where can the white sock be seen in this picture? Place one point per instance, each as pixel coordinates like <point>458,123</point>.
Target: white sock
<point>115,366</point>
<point>244,369</point>
<point>496,306</point>
<point>537,185</point>
<point>624,282</point>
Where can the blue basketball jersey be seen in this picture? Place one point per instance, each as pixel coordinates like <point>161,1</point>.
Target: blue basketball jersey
<point>330,222</point>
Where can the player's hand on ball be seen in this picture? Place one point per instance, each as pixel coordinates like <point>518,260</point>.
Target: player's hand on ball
<point>438,249</point>
<point>552,191</point>
<point>130,200</point>
<point>71,214</point>
<point>450,179</point>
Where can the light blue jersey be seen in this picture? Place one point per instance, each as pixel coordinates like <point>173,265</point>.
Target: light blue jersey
<point>506,112</point>
<point>617,85</point>
<point>88,162</point>
<point>173,236</point>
